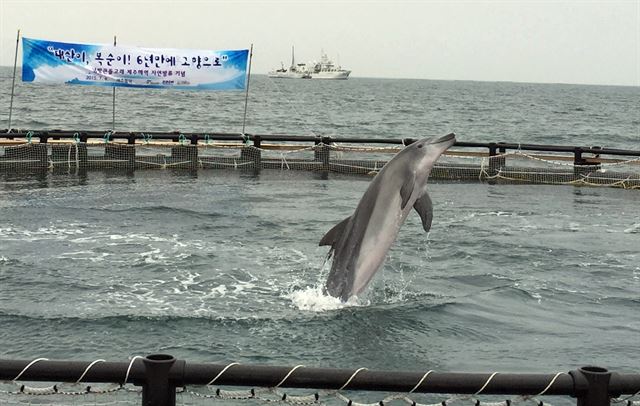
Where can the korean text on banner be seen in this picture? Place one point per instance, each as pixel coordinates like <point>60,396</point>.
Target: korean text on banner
<point>107,65</point>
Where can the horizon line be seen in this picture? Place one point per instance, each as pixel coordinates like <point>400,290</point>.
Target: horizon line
<point>455,80</point>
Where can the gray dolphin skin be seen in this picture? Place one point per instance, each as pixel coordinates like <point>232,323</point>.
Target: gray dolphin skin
<point>360,242</point>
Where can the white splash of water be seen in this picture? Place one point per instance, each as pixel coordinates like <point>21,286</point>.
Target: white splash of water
<point>313,299</point>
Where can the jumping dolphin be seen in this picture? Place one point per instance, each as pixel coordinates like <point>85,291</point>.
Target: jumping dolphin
<point>360,242</point>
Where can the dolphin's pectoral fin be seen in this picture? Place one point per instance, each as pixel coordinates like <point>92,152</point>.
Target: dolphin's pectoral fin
<point>406,190</point>
<point>424,208</point>
<point>334,234</point>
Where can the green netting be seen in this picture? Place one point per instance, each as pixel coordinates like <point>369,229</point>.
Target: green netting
<point>456,165</point>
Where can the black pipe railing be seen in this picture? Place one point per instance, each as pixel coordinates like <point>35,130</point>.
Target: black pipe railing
<point>159,375</point>
<point>193,137</point>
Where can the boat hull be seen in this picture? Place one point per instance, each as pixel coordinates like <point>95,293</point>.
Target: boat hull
<point>339,75</point>
<point>288,75</point>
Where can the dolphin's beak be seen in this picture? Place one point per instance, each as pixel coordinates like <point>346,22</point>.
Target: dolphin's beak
<point>445,138</point>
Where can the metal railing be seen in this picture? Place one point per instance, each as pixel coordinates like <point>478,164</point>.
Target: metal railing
<point>494,148</point>
<point>159,375</point>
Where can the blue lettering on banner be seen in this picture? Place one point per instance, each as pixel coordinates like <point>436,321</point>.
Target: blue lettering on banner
<point>68,55</point>
<point>105,65</point>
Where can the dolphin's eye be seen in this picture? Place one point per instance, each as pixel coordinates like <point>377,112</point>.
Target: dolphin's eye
<point>420,146</point>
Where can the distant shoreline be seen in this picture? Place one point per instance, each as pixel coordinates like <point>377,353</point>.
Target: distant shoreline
<point>19,68</point>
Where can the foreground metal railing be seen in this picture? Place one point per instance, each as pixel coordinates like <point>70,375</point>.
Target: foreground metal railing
<point>159,375</point>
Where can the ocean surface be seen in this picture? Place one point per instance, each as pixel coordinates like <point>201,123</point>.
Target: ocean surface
<point>224,265</point>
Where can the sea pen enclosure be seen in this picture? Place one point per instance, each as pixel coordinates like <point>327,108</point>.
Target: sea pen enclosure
<point>502,162</point>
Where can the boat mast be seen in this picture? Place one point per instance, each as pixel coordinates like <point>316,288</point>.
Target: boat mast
<point>293,61</point>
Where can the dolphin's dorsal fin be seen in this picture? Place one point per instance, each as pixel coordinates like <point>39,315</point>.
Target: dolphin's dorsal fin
<point>424,207</point>
<point>406,190</point>
<point>334,234</point>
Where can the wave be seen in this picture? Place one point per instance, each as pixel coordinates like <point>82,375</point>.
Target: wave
<point>161,209</point>
<point>115,319</point>
<point>634,229</point>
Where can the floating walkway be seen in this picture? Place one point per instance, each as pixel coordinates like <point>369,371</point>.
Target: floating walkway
<point>59,151</point>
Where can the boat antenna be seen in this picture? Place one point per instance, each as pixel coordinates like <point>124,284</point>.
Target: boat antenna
<point>246,95</point>
<point>293,59</point>
<point>13,83</point>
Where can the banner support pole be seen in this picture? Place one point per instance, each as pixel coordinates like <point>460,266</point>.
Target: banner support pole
<point>246,96</point>
<point>113,116</point>
<point>13,82</point>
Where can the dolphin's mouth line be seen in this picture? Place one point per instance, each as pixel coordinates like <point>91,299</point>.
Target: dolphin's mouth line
<point>444,138</point>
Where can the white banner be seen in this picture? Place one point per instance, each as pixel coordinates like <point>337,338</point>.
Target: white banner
<point>108,65</point>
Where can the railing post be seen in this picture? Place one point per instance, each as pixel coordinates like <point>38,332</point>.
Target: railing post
<point>496,162</point>
<point>158,390</point>
<point>592,386</point>
<point>493,149</point>
<point>580,165</point>
<point>252,154</point>
<point>322,152</point>
<point>577,157</point>
<point>257,140</point>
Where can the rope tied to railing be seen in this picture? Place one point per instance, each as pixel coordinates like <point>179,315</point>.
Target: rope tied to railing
<point>27,367</point>
<point>421,380</point>
<point>107,136</point>
<point>341,396</point>
<point>283,162</point>
<point>146,137</point>
<point>88,368</point>
<point>30,390</point>
<point>532,398</point>
<point>29,136</point>
<point>182,139</point>
<point>126,377</point>
<point>351,378</point>
<point>550,384</point>
<point>485,384</point>
<point>288,375</point>
<point>222,372</point>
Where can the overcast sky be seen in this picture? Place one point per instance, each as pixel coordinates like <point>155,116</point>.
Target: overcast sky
<point>591,42</point>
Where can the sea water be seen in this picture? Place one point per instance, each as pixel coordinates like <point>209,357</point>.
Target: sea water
<point>223,265</point>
